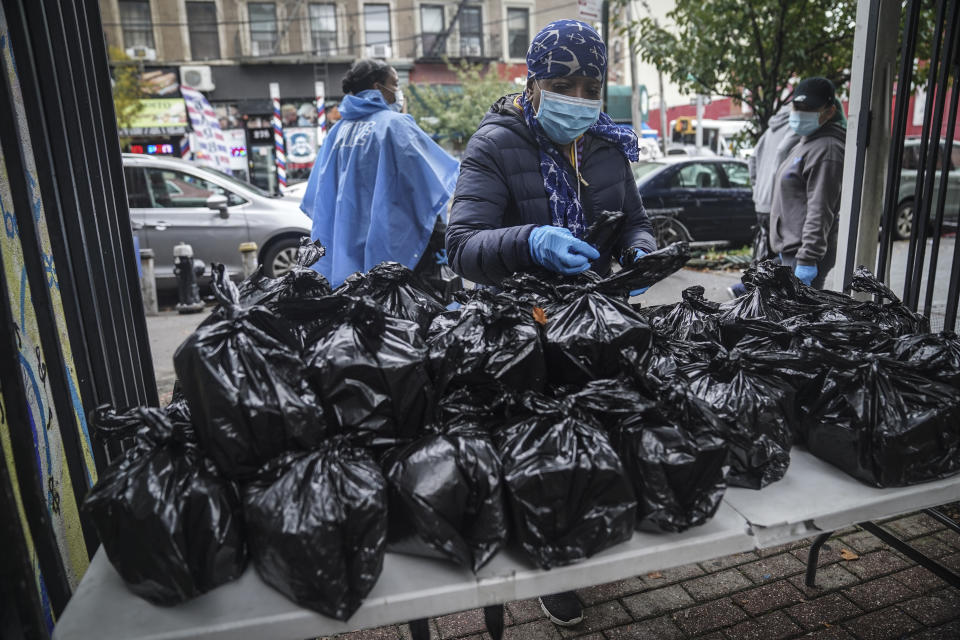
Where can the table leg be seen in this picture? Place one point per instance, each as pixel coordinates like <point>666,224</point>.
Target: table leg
<point>420,629</point>
<point>943,518</point>
<point>813,558</point>
<point>938,569</point>
<point>493,617</point>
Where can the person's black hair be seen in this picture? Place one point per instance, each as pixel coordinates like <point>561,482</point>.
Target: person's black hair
<point>365,73</point>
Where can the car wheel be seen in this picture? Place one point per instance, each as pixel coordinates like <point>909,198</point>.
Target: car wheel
<point>668,230</point>
<point>903,221</point>
<point>280,257</point>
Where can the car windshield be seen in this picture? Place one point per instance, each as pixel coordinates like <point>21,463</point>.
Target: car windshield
<point>238,183</point>
<point>641,169</point>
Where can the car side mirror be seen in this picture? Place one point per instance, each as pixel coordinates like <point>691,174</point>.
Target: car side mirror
<point>218,202</point>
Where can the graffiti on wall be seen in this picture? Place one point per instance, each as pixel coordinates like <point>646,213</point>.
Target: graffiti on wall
<point>49,460</point>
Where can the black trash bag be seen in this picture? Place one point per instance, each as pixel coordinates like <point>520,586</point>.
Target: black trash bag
<point>587,336</point>
<point>301,281</point>
<point>446,497</point>
<point>605,230</point>
<point>886,423</point>
<point>317,526</point>
<point>608,401</point>
<point>696,318</point>
<point>244,381</point>
<point>647,270</point>
<point>566,488</point>
<point>171,525</point>
<point>758,405</point>
<point>434,270</point>
<point>668,355</point>
<point>861,336</point>
<point>486,342</point>
<point>487,407</point>
<point>892,315</point>
<point>781,289</point>
<point>937,355</point>
<point>675,454</point>
<point>368,368</point>
<point>401,293</point>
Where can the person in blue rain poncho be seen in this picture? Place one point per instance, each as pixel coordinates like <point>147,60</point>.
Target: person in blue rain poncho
<point>379,183</point>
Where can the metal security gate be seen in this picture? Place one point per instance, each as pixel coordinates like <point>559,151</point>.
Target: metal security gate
<point>890,37</point>
<point>72,330</point>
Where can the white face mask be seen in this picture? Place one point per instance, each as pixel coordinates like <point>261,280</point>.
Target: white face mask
<point>397,104</point>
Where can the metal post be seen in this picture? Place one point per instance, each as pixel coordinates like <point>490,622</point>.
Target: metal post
<point>248,258</point>
<point>918,231</point>
<point>951,42</point>
<point>699,134</point>
<point>904,79</point>
<point>187,289</point>
<point>663,114</point>
<point>148,283</point>
<point>635,116</point>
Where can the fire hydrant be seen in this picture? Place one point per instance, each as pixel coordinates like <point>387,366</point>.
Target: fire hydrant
<point>185,268</point>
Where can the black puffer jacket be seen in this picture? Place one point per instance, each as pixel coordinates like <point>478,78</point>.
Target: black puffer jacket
<point>500,198</point>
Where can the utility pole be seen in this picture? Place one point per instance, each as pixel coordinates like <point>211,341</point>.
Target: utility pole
<point>663,114</point>
<point>699,133</point>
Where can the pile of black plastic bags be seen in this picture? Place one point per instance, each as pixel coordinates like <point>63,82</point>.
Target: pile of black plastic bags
<point>311,429</point>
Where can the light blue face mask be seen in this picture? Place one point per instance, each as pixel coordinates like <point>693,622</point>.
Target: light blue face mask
<point>804,123</point>
<point>397,104</point>
<point>564,118</point>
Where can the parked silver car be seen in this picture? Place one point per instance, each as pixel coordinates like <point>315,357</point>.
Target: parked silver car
<point>173,201</point>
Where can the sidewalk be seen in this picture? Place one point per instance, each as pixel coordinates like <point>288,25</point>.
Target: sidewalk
<point>880,595</point>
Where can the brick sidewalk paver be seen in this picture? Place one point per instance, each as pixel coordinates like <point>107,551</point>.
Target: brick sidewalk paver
<point>880,595</point>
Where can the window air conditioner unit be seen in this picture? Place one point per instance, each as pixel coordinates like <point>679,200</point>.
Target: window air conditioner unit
<point>142,53</point>
<point>379,51</point>
<point>473,50</point>
<point>197,77</point>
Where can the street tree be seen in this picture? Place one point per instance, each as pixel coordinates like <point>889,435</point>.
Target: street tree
<point>749,50</point>
<point>126,89</point>
<point>452,113</point>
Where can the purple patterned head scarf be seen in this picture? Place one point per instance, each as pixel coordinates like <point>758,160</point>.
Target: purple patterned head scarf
<point>570,48</point>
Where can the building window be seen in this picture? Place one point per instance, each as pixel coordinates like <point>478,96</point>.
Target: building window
<point>518,32</point>
<point>137,26</point>
<point>471,32</point>
<point>323,28</point>
<point>204,37</point>
<point>263,27</point>
<point>431,28</point>
<point>376,27</point>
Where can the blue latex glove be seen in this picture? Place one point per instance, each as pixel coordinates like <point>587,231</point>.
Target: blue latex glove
<point>441,256</point>
<point>558,250</point>
<point>639,253</point>
<point>805,274</point>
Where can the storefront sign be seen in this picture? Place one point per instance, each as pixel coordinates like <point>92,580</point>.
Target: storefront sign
<point>208,145</point>
<point>158,117</point>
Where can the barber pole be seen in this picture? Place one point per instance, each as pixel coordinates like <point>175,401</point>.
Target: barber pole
<point>278,135</point>
<point>321,113</point>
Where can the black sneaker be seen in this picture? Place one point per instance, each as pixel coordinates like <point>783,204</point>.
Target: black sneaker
<point>563,609</point>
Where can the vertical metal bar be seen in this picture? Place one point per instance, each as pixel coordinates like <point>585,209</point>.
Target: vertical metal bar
<point>949,63</point>
<point>813,558</point>
<point>921,205</point>
<point>904,79</point>
<point>146,387</point>
<point>864,118</point>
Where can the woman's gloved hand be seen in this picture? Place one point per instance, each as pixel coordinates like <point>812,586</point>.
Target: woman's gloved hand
<point>558,250</point>
<point>639,253</point>
<point>805,274</point>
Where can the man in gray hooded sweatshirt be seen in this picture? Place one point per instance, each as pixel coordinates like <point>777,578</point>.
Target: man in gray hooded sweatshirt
<point>806,192</point>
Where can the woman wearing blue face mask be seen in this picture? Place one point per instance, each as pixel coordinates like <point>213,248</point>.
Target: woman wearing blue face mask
<point>806,192</point>
<point>380,184</point>
<point>542,165</point>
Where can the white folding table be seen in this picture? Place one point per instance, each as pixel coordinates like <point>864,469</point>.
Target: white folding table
<point>813,499</point>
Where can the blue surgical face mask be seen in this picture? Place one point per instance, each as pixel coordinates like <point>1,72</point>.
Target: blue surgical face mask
<point>397,104</point>
<point>564,118</point>
<point>804,123</point>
